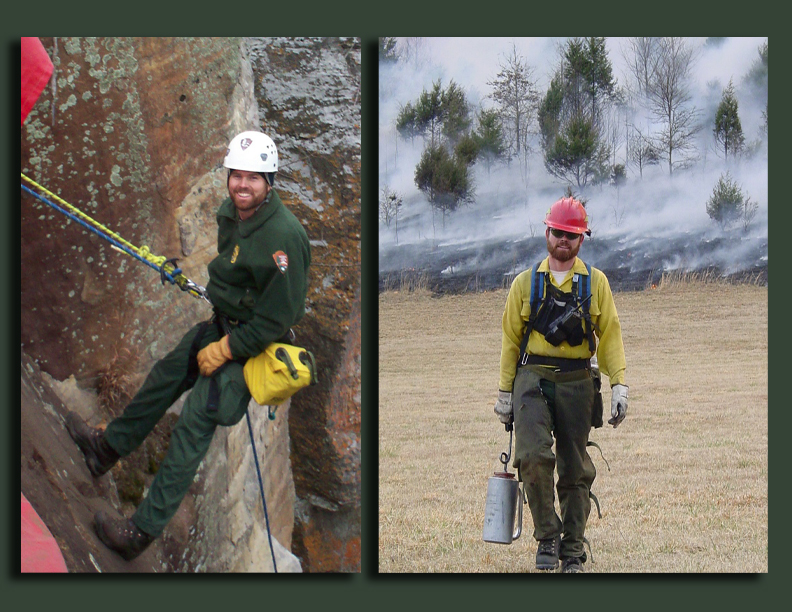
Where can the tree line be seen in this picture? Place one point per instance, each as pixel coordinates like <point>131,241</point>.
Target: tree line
<point>588,128</point>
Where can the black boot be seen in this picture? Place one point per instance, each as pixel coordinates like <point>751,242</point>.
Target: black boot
<point>99,455</point>
<point>547,553</point>
<point>572,565</point>
<point>122,536</point>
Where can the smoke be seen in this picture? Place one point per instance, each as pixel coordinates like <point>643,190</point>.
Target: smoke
<point>648,212</point>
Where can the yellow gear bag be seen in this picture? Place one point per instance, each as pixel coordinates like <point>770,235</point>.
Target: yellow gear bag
<point>279,372</point>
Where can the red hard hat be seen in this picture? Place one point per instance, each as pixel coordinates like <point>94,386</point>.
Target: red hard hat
<point>568,215</point>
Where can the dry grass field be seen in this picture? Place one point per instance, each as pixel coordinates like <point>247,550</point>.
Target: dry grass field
<point>687,486</point>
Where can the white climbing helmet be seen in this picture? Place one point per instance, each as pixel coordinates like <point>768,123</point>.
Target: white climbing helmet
<point>252,152</point>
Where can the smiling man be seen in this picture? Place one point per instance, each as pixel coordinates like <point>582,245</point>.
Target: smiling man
<point>257,285</point>
<point>559,318</point>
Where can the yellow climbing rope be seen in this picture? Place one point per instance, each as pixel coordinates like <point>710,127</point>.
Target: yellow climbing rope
<point>143,253</point>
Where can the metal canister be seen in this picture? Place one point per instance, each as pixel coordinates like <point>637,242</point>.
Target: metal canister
<point>502,509</point>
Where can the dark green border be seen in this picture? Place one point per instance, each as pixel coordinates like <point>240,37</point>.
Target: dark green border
<point>369,20</point>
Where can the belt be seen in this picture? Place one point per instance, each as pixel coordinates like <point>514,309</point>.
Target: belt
<point>230,321</point>
<point>560,364</point>
<point>288,338</point>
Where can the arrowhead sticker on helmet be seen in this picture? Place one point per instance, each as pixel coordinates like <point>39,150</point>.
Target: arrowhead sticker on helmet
<point>252,152</point>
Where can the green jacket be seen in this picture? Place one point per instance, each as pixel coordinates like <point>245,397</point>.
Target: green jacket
<point>259,274</point>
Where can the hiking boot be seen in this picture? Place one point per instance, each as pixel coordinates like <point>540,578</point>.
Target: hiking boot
<point>99,455</point>
<point>122,536</point>
<point>547,554</point>
<point>572,565</point>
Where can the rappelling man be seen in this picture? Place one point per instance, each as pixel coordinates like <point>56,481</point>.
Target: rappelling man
<point>560,329</point>
<point>257,286</point>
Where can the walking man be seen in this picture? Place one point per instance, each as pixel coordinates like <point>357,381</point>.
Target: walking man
<point>257,285</point>
<point>554,315</point>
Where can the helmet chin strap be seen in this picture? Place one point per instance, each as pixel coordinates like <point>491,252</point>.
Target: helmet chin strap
<point>264,201</point>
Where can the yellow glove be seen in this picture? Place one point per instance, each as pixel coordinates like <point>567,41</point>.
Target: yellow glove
<point>213,356</point>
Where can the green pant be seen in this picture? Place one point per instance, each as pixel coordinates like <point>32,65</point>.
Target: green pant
<point>192,434</point>
<point>547,404</point>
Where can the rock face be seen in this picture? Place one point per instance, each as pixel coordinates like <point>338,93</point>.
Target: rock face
<point>133,133</point>
<point>309,92</point>
<point>57,483</point>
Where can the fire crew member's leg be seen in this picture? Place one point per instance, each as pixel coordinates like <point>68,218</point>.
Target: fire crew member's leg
<point>573,405</point>
<point>533,429</point>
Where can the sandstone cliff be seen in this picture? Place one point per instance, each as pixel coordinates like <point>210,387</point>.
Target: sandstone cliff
<point>133,132</point>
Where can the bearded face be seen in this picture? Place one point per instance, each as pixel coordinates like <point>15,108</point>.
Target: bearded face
<point>247,190</point>
<point>562,249</point>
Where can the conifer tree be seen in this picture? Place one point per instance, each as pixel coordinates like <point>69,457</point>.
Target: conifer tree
<point>570,114</point>
<point>728,130</point>
<point>728,205</point>
<point>489,137</point>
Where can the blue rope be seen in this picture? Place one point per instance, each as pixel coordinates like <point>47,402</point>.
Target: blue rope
<point>102,235</point>
<point>261,487</point>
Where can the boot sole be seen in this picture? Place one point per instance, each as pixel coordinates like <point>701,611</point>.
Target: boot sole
<point>547,567</point>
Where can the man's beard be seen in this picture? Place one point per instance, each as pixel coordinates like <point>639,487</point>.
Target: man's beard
<point>562,255</point>
<point>249,204</point>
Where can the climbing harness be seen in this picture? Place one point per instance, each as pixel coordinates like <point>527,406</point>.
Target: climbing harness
<point>168,272</point>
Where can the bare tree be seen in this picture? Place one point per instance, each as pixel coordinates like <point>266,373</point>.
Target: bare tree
<point>670,102</point>
<point>390,202</point>
<point>642,55</point>
<point>642,152</point>
<point>413,50</point>
<point>516,97</point>
<point>388,53</point>
<point>613,129</point>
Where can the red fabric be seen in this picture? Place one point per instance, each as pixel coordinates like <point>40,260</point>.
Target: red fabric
<point>40,552</point>
<point>36,71</point>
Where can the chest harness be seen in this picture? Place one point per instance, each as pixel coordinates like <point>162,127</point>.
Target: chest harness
<point>559,316</point>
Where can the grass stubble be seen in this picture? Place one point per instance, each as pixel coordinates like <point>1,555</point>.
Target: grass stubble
<point>687,489</point>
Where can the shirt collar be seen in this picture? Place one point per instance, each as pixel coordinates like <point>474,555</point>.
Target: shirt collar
<point>577,268</point>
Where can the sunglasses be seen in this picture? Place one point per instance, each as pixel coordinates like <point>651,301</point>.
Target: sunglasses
<point>561,233</point>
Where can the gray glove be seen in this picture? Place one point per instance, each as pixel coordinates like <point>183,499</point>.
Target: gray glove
<point>618,405</point>
<point>503,407</point>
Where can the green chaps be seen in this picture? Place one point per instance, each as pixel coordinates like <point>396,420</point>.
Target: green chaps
<point>192,434</point>
<point>547,404</point>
